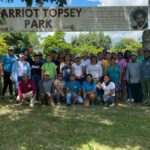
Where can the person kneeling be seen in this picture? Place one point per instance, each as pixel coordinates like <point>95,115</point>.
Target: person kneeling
<point>26,90</point>
<point>89,91</point>
<point>73,91</point>
<point>109,90</point>
<point>46,86</point>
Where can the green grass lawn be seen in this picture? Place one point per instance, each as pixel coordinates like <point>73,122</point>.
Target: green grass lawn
<point>124,127</point>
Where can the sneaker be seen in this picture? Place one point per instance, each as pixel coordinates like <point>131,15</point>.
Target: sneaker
<point>128,100</point>
<point>112,105</point>
<point>31,105</point>
<point>92,106</point>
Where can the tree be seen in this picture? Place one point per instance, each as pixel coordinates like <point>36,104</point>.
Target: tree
<point>92,39</point>
<point>59,3</point>
<point>21,40</point>
<point>3,46</point>
<point>57,41</point>
<point>86,48</point>
<point>126,44</point>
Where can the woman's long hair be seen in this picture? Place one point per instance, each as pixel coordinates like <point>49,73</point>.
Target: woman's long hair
<point>108,81</point>
<point>91,77</point>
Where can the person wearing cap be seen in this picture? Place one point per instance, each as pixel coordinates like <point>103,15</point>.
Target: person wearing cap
<point>26,90</point>
<point>20,68</point>
<point>133,77</point>
<point>73,91</point>
<point>46,90</point>
<point>146,77</point>
<point>8,61</point>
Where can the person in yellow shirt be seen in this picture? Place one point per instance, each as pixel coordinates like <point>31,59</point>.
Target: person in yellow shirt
<point>106,63</point>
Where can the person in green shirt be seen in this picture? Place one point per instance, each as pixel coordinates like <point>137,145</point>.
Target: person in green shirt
<point>140,56</point>
<point>50,68</point>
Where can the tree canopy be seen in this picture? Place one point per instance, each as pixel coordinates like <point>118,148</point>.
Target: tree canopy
<point>3,46</point>
<point>126,44</point>
<point>55,43</point>
<point>21,40</point>
<point>59,3</point>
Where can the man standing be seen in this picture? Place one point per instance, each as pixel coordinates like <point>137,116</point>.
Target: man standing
<point>133,76</point>
<point>146,77</point>
<point>8,61</point>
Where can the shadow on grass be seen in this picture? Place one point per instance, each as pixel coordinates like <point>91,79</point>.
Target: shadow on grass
<point>123,127</point>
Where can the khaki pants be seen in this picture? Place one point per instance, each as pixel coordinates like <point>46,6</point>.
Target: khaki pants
<point>29,96</point>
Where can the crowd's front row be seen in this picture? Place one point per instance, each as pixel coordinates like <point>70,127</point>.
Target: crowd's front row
<point>57,92</point>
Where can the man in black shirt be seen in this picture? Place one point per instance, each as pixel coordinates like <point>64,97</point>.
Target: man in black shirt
<point>36,72</point>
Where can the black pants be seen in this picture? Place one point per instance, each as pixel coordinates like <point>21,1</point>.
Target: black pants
<point>136,92</point>
<point>7,82</point>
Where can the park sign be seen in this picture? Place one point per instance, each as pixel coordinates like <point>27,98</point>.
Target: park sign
<point>65,19</point>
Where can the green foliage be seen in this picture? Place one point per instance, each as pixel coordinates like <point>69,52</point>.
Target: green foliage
<point>86,48</point>
<point>92,39</point>
<point>21,40</point>
<point>59,3</point>
<point>126,44</point>
<point>3,46</point>
<point>56,41</point>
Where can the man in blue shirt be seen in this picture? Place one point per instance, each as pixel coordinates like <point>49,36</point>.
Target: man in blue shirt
<point>73,91</point>
<point>8,61</point>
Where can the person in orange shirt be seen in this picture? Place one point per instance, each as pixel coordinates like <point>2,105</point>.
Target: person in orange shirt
<point>106,62</point>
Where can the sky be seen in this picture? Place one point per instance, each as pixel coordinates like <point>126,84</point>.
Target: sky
<point>115,36</point>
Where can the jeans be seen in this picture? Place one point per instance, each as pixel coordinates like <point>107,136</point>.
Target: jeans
<point>109,99</point>
<point>7,82</point>
<point>128,90</point>
<point>146,89</point>
<point>136,92</point>
<point>16,85</point>
<point>58,97</point>
<point>73,98</point>
<point>36,79</point>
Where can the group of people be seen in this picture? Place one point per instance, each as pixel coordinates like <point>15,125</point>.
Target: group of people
<point>77,79</point>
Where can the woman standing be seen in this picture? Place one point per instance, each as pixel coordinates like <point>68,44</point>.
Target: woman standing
<point>114,71</point>
<point>95,69</point>
<point>20,68</point>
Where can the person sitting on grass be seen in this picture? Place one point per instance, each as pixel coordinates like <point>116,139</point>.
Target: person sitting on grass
<point>46,87</point>
<point>89,91</point>
<point>59,89</point>
<point>109,90</point>
<point>26,90</point>
<point>73,91</point>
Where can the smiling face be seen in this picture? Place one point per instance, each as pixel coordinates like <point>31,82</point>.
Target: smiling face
<point>106,78</point>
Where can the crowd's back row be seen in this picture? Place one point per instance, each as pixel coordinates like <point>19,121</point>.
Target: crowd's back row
<point>105,77</point>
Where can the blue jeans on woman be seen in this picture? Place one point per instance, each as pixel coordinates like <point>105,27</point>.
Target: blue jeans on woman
<point>109,99</point>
